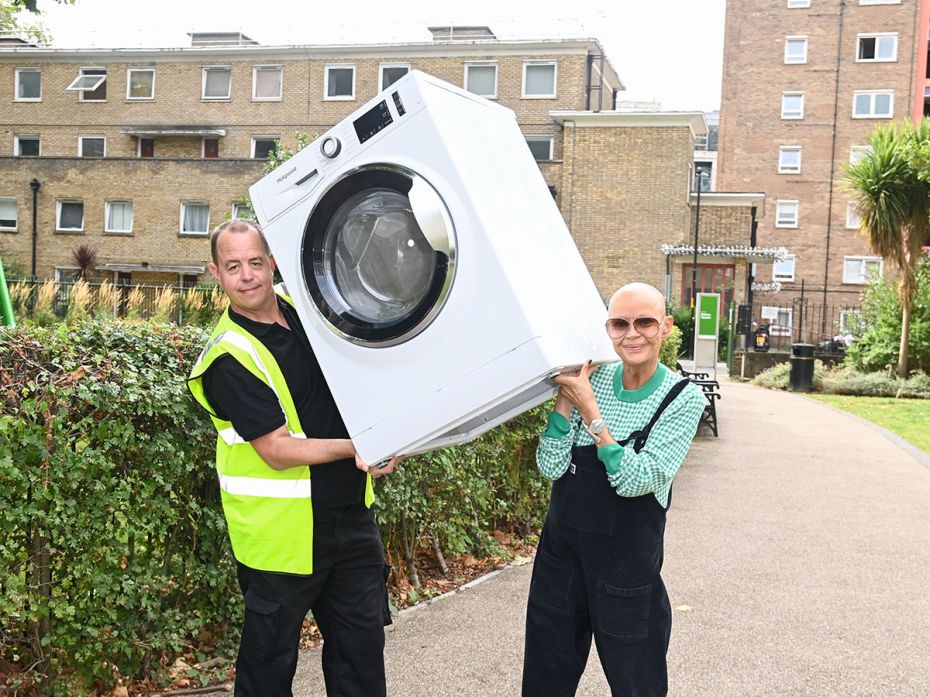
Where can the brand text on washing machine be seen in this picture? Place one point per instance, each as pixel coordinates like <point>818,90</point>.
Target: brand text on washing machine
<point>285,175</point>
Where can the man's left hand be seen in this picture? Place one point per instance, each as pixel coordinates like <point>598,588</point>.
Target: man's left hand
<point>376,472</point>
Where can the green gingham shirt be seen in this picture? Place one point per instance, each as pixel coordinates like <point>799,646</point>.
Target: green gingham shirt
<point>632,474</point>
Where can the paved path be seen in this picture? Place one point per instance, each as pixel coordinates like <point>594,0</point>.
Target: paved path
<point>797,561</point>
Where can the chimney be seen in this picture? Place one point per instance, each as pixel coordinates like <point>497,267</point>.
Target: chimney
<point>221,38</point>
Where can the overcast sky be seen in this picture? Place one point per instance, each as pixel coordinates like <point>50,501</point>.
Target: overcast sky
<point>667,50</point>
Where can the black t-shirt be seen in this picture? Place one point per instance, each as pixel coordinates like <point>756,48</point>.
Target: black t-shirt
<point>252,407</point>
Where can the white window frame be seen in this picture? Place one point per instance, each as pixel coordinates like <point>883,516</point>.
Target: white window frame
<point>787,205</point>
<point>873,94</point>
<point>786,277</point>
<point>540,139</point>
<point>129,72</point>
<point>256,138</point>
<point>382,67</point>
<point>795,60</point>
<point>106,217</point>
<point>878,36</point>
<point>852,216</point>
<point>864,261</point>
<point>192,233</point>
<point>481,64</point>
<point>792,116</point>
<point>15,227</point>
<point>857,152</point>
<point>844,321</point>
<point>81,140</point>
<point>338,66</point>
<point>255,70</point>
<point>82,93</point>
<point>31,136</point>
<point>777,329</point>
<point>798,4</point>
<point>16,97</point>
<point>235,211</point>
<point>879,2</point>
<point>784,168</point>
<point>58,203</point>
<point>555,79</point>
<point>203,83</point>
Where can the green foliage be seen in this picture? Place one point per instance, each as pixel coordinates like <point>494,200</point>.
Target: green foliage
<point>847,380</point>
<point>281,153</point>
<point>682,317</point>
<point>671,348</point>
<point>775,378</point>
<point>880,326</point>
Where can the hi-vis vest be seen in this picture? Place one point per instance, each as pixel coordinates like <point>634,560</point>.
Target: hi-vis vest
<point>269,512</point>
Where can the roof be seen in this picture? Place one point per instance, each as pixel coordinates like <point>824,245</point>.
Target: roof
<point>633,119</point>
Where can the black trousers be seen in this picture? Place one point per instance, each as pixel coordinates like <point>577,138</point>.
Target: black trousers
<point>347,594</point>
<point>597,573</point>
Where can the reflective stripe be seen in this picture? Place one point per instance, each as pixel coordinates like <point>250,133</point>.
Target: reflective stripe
<point>231,437</point>
<point>268,488</point>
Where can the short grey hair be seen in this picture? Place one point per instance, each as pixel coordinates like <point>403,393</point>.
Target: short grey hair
<point>236,225</point>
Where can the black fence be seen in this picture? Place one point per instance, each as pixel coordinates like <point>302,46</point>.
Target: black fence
<point>830,328</point>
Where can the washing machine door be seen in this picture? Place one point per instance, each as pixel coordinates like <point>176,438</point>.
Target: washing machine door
<point>378,255</point>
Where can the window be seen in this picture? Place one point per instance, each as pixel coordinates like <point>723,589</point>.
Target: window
<point>540,146</point>
<point>877,48</point>
<point>795,4</point>
<point>857,152</point>
<point>140,83</point>
<point>784,270</point>
<point>873,104</point>
<point>703,173</point>
<point>481,79</point>
<point>92,146</point>
<point>852,216</point>
<point>90,84</point>
<point>189,280</point>
<point>28,85</point>
<point>850,321</point>
<point>211,148</point>
<point>786,213</point>
<point>539,79</point>
<point>263,146</point>
<point>118,217</point>
<point>8,216</point>
<point>779,318</point>
<point>795,49</point>
<point>70,216</point>
<point>339,82</point>
<point>861,269</point>
<point>195,218</point>
<point>217,82</point>
<point>266,82</point>
<point>879,2</point>
<point>392,72</point>
<point>792,105</point>
<point>789,159</point>
<point>26,146</point>
<point>146,147</point>
<point>241,210</point>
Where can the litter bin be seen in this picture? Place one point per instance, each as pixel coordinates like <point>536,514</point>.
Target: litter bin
<point>802,367</point>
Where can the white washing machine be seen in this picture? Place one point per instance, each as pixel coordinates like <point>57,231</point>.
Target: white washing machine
<point>432,271</point>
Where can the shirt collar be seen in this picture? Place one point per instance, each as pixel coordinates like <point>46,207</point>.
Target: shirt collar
<point>258,328</point>
<point>641,393</point>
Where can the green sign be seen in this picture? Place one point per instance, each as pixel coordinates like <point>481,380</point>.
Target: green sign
<point>708,315</point>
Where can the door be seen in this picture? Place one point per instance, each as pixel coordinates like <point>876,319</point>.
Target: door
<point>378,255</point>
<point>711,278</point>
<point>147,147</point>
<point>211,147</point>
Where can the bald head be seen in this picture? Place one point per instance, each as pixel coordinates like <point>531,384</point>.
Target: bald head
<point>236,225</point>
<point>640,296</point>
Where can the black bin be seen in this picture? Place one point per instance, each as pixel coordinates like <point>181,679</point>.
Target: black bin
<point>802,367</point>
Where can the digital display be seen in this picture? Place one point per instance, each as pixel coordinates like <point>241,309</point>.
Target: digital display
<point>372,121</point>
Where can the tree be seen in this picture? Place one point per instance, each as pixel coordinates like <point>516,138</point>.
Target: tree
<point>15,19</point>
<point>892,197</point>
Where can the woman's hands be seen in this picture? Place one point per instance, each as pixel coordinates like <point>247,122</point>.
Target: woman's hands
<point>575,391</point>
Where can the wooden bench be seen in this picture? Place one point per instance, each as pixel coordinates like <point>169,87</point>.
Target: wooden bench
<point>711,389</point>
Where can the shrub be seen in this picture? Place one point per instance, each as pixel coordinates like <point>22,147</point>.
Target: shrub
<point>775,378</point>
<point>671,348</point>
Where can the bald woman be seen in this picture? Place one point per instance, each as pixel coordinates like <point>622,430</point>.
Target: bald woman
<point>612,447</point>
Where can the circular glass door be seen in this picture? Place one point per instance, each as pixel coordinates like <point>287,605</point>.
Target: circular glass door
<point>378,255</point>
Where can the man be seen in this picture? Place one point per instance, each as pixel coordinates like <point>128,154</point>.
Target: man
<point>600,552</point>
<point>278,431</point>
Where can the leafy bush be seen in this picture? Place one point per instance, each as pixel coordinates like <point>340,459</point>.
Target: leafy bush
<point>775,378</point>
<point>846,380</point>
<point>671,348</point>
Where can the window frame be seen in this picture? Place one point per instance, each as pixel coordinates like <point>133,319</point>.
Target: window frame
<point>15,227</point>
<point>16,84</point>
<point>873,94</point>
<point>857,152</point>
<point>803,58</point>
<point>184,233</point>
<point>539,139</point>
<point>58,204</point>
<point>382,66</point>
<point>782,149</point>
<point>481,64</point>
<point>789,116</point>
<point>106,217</point>
<point>204,70</point>
<point>271,66</point>
<point>797,213</point>
<point>879,2</point>
<point>339,66</point>
<point>555,79</point>
<point>17,140</point>
<point>877,36</point>
<point>775,328</point>
<point>851,213</point>
<point>81,140</point>
<point>256,138</point>
<point>82,93</point>
<point>129,72</point>
<point>843,321</point>
<point>798,4</point>
<point>863,276</point>
<point>786,278</point>
<point>235,211</point>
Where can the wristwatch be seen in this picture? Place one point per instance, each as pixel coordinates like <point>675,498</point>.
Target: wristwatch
<point>596,428</point>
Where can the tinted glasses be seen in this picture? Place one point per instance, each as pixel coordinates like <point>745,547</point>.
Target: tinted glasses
<point>618,327</point>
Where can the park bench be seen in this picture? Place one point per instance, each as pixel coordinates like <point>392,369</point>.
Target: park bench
<point>711,390</point>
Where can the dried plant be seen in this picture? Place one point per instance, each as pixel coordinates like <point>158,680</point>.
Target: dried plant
<point>19,296</point>
<point>165,300</point>
<point>106,301</point>
<point>79,303</point>
<point>44,311</point>
<point>134,302</point>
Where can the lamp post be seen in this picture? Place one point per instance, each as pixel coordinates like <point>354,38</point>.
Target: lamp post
<point>35,185</point>
<point>699,173</point>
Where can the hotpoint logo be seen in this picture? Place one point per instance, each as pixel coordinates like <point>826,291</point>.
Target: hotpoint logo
<point>285,175</point>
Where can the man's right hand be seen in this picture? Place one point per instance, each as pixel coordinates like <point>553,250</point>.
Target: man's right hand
<point>378,470</point>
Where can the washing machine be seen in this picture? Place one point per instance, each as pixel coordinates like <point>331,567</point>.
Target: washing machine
<point>433,273</point>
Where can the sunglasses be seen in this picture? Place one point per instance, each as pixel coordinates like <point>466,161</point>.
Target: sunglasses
<point>618,327</point>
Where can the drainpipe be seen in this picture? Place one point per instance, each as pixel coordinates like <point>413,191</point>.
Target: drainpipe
<point>750,277</point>
<point>35,224</point>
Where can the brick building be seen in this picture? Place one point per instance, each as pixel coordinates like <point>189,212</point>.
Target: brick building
<point>804,82</point>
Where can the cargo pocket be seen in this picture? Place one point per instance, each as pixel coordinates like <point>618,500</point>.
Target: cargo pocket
<point>386,610</point>
<point>552,582</point>
<point>261,623</point>
<point>623,613</point>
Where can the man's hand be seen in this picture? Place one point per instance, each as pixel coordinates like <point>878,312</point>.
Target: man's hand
<point>575,391</point>
<point>376,472</point>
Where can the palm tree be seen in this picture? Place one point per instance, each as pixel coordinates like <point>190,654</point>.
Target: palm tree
<point>893,203</point>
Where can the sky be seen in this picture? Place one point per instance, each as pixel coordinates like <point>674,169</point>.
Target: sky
<point>670,51</point>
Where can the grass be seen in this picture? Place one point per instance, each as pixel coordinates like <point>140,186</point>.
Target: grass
<point>907,418</point>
